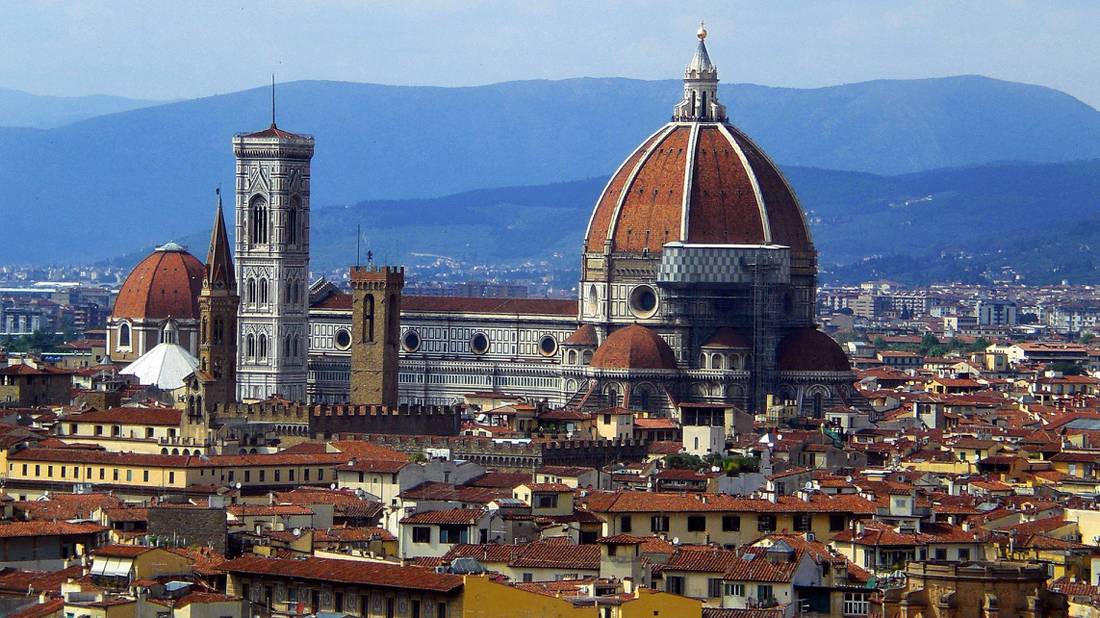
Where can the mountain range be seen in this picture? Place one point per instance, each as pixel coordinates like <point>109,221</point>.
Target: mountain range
<point>23,109</point>
<point>861,156</point>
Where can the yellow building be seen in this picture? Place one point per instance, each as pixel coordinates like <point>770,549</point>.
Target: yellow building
<point>727,520</point>
<point>32,472</point>
<point>484,598</point>
<point>614,424</point>
<point>117,566</point>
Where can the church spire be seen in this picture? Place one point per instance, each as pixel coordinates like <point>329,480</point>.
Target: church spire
<point>700,102</point>
<point>219,262</point>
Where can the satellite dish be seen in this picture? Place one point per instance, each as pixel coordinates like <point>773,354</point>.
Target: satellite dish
<point>715,469</point>
<point>675,540</point>
<point>297,532</point>
<point>332,486</point>
<point>238,485</point>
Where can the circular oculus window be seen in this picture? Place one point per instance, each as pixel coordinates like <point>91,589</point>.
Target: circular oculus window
<point>479,343</point>
<point>643,301</point>
<point>343,339</point>
<point>548,346</point>
<point>411,341</point>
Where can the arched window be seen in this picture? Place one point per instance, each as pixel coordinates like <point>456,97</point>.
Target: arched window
<point>819,404</point>
<point>586,357</point>
<point>297,349</point>
<point>219,331</point>
<point>250,346</point>
<point>572,356</point>
<point>204,336</point>
<point>286,346</point>
<point>717,361</point>
<point>292,223</point>
<point>124,336</point>
<point>368,320</point>
<point>612,397</point>
<point>263,346</point>
<point>251,290</point>
<point>258,212</point>
<point>263,291</point>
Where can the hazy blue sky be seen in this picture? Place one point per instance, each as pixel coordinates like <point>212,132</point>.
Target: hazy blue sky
<point>173,49</point>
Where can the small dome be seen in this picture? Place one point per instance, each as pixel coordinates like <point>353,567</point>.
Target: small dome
<point>808,349</point>
<point>584,336</point>
<point>634,347</point>
<point>165,284</point>
<point>727,338</point>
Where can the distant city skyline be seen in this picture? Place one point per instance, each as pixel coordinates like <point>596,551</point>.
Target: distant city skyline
<point>166,50</point>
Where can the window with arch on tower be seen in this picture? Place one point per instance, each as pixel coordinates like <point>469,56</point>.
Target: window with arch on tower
<point>124,336</point>
<point>258,213</point>
<point>251,290</point>
<point>250,346</point>
<point>262,345</point>
<point>292,223</point>
<point>263,291</point>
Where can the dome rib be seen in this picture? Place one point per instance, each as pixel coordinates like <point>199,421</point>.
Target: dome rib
<point>599,223</point>
<point>750,172</point>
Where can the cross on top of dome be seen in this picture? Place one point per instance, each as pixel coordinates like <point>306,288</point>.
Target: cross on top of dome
<point>700,102</point>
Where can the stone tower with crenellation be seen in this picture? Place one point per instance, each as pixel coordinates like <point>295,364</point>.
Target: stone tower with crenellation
<point>272,249</point>
<point>376,330</point>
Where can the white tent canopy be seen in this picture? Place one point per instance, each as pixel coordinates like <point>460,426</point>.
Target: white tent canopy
<point>165,366</point>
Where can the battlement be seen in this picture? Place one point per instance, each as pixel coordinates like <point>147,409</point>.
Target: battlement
<point>373,277</point>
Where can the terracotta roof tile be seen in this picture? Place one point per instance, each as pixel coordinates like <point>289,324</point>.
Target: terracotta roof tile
<point>445,517</point>
<point>164,284</point>
<point>634,347</point>
<point>347,572</point>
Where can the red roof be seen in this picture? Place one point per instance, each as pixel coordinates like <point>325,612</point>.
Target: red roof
<point>275,132</point>
<point>634,347</point>
<point>47,528</point>
<point>121,551</point>
<point>129,416</point>
<point>736,195</point>
<point>461,304</point>
<point>584,335</point>
<point>726,337</point>
<point>165,284</point>
<point>445,517</point>
<point>347,572</point>
<point>808,349</point>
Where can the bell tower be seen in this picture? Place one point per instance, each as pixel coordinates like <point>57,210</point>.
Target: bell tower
<point>272,249</point>
<point>376,329</point>
<point>218,304</point>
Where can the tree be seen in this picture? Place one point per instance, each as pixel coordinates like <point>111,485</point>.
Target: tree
<point>683,461</point>
<point>1087,338</point>
<point>928,343</point>
<point>1067,369</point>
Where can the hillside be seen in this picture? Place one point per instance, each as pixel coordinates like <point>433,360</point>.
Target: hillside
<point>102,186</point>
<point>23,109</point>
<point>1037,220</point>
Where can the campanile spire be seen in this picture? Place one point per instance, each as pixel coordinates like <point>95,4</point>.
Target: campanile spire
<point>700,102</point>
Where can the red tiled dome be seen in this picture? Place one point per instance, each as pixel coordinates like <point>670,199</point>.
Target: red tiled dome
<point>585,335</point>
<point>734,195</point>
<point>634,347</point>
<point>164,284</point>
<point>728,338</point>
<point>808,349</point>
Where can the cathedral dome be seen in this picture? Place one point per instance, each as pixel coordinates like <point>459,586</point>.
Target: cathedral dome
<point>634,347</point>
<point>164,284</point>
<point>697,180</point>
<point>808,349</point>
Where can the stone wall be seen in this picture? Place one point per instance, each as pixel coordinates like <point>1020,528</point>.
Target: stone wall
<point>189,526</point>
